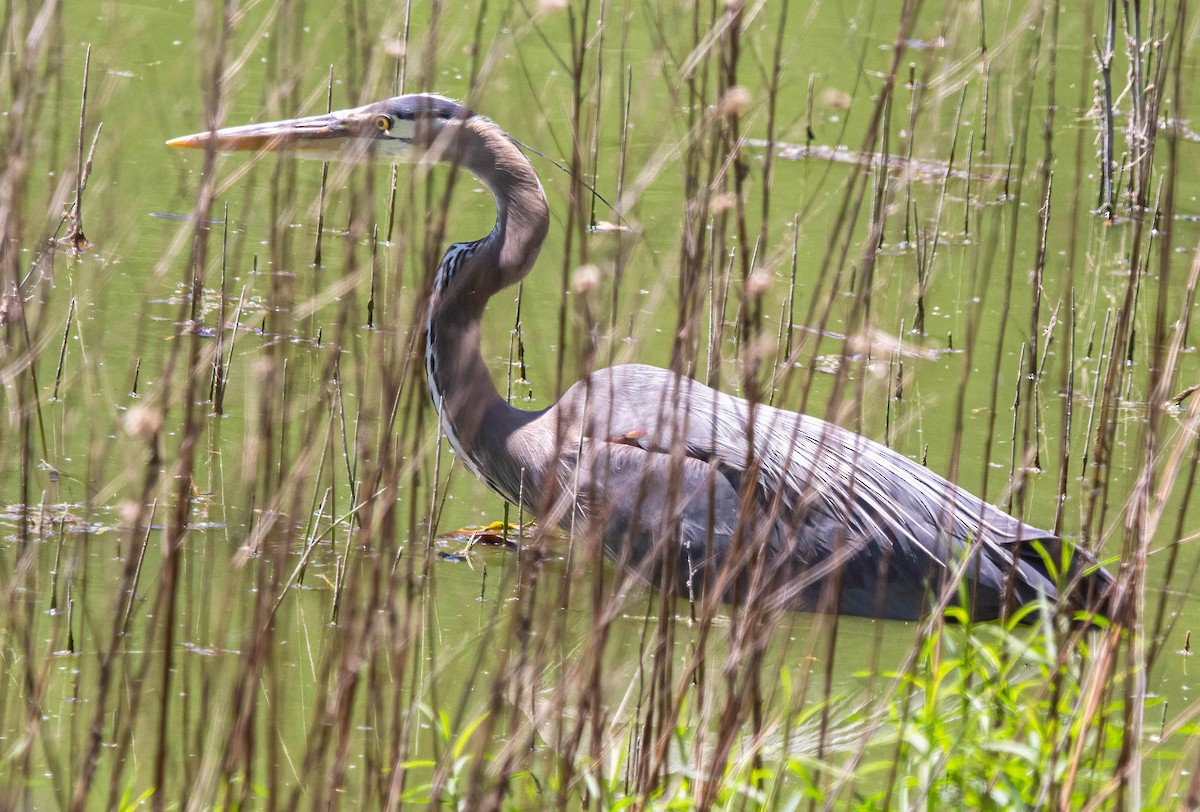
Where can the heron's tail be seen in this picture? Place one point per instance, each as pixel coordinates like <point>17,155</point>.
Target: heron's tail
<point>1091,590</point>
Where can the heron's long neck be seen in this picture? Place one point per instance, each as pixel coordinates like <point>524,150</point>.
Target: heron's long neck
<point>477,421</point>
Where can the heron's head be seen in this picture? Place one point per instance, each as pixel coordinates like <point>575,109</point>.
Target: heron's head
<point>398,130</point>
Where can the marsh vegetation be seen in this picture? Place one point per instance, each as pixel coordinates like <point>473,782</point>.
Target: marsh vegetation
<point>236,568</point>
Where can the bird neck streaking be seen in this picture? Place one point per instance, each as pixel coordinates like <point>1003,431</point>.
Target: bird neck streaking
<point>473,415</point>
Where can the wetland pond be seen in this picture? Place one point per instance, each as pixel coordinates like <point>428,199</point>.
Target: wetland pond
<point>237,558</point>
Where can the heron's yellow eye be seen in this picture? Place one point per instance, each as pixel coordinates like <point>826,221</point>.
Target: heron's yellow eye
<point>383,123</point>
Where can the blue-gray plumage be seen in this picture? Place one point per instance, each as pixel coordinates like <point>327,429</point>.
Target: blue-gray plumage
<point>689,488</point>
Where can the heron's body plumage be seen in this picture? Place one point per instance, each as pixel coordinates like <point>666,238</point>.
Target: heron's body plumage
<point>813,502</point>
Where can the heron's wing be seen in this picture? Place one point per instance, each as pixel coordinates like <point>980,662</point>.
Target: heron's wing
<point>653,514</point>
<point>886,527</point>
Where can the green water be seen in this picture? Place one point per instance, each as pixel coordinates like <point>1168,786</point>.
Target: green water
<point>64,527</point>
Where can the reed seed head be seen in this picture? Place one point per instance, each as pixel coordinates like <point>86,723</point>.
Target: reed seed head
<point>758,283</point>
<point>735,102</point>
<point>585,279</point>
<point>143,421</point>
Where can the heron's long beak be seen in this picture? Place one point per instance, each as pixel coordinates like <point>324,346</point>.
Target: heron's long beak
<point>325,137</point>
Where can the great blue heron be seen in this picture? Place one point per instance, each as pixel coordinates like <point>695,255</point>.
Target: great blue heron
<point>736,499</point>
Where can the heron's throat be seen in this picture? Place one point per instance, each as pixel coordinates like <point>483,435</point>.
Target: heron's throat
<point>476,420</point>
<point>459,381</point>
